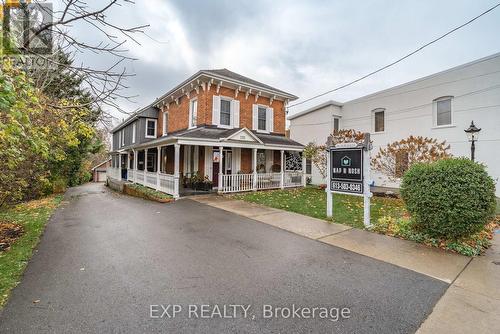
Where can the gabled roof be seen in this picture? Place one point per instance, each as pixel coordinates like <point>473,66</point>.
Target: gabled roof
<point>148,111</point>
<point>244,135</point>
<point>208,132</point>
<point>102,163</point>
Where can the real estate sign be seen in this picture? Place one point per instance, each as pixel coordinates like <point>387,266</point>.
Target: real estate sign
<point>346,170</point>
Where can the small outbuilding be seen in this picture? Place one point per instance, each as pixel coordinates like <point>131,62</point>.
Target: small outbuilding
<point>99,171</point>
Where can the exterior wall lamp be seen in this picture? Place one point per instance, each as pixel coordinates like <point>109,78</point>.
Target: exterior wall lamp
<point>473,135</point>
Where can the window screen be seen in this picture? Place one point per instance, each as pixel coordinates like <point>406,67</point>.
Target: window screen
<point>262,118</point>
<point>379,121</point>
<point>225,112</point>
<point>443,112</point>
<point>151,128</point>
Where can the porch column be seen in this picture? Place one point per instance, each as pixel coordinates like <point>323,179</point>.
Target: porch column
<point>254,168</point>
<point>177,156</point>
<point>219,190</point>
<point>119,176</point>
<point>135,165</point>
<point>304,175</point>
<point>158,161</point>
<point>282,169</point>
<point>145,164</point>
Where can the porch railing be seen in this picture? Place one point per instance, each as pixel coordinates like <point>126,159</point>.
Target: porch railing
<point>245,182</point>
<point>150,179</point>
<point>139,176</point>
<point>237,183</point>
<point>113,172</point>
<point>293,179</point>
<point>167,183</point>
<point>159,181</point>
<point>268,181</point>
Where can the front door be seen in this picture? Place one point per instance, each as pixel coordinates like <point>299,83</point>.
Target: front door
<point>124,158</point>
<point>227,165</point>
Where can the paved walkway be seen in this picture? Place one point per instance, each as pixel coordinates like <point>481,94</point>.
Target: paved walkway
<point>410,255</point>
<point>105,258</point>
<point>472,302</point>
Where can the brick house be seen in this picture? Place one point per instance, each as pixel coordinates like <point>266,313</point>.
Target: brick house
<point>218,126</point>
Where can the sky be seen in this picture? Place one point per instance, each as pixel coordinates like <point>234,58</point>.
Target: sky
<point>302,47</point>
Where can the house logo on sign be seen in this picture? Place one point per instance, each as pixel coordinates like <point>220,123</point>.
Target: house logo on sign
<point>346,162</point>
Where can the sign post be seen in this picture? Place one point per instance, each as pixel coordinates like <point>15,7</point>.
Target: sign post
<point>348,172</point>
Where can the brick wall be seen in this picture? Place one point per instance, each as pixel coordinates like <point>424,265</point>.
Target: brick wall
<point>178,115</point>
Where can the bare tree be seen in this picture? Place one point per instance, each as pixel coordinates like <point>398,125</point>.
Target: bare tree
<point>105,86</point>
<point>394,159</point>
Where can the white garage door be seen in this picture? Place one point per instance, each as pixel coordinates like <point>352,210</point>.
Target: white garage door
<point>101,176</point>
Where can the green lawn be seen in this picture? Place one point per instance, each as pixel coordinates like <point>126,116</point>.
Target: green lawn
<point>33,217</point>
<point>311,201</point>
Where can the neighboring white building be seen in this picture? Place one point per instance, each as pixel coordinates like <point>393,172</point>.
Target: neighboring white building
<point>439,106</point>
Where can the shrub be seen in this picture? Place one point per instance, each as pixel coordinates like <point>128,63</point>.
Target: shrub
<point>59,185</point>
<point>449,198</point>
<point>395,158</point>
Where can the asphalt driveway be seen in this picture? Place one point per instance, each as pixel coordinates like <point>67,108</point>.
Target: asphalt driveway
<point>107,262</point>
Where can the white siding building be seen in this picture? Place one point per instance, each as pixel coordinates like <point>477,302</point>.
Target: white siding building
<point>439,106</point>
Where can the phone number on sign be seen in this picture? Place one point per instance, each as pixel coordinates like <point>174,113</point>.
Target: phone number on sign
<point>347,186</point>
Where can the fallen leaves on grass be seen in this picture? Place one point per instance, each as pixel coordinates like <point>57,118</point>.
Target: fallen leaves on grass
<point>9,233</point>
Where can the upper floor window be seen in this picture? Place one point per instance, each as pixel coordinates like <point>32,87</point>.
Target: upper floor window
<point>378,120</point>
<point>225,112</point>
<point>122,137</point>
<point>442,111</point>
<point>193,113</point>
<point>165,123</point>
<point>262,119</point>
<point>150,128</point>
<point>336,124</point>
<point>134,130</point>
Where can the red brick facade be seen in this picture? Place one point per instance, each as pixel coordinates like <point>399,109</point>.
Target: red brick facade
<point>178,112</point>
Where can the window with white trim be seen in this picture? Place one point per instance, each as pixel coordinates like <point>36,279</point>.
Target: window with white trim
<point>193,113</point>
<point>378,116</point>
<point>225,112</point>
<point>442,111</point>
<point>262,115</point>
<point>165,123</point>
<point>122,137</point>
<point>150,128</point>
<point>134,130</point>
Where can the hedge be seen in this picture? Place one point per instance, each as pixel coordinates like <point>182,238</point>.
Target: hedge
<point>449,198</point>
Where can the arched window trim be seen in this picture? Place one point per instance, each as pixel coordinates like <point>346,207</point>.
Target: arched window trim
<point>374,128</point>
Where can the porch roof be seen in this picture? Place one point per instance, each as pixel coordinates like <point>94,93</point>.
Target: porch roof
<point>213,136</point>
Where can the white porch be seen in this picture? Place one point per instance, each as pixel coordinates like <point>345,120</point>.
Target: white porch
<point>228,165</point>
<point>227,181</point>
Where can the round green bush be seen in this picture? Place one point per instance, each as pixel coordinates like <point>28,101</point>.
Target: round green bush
<point>449,198</point>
